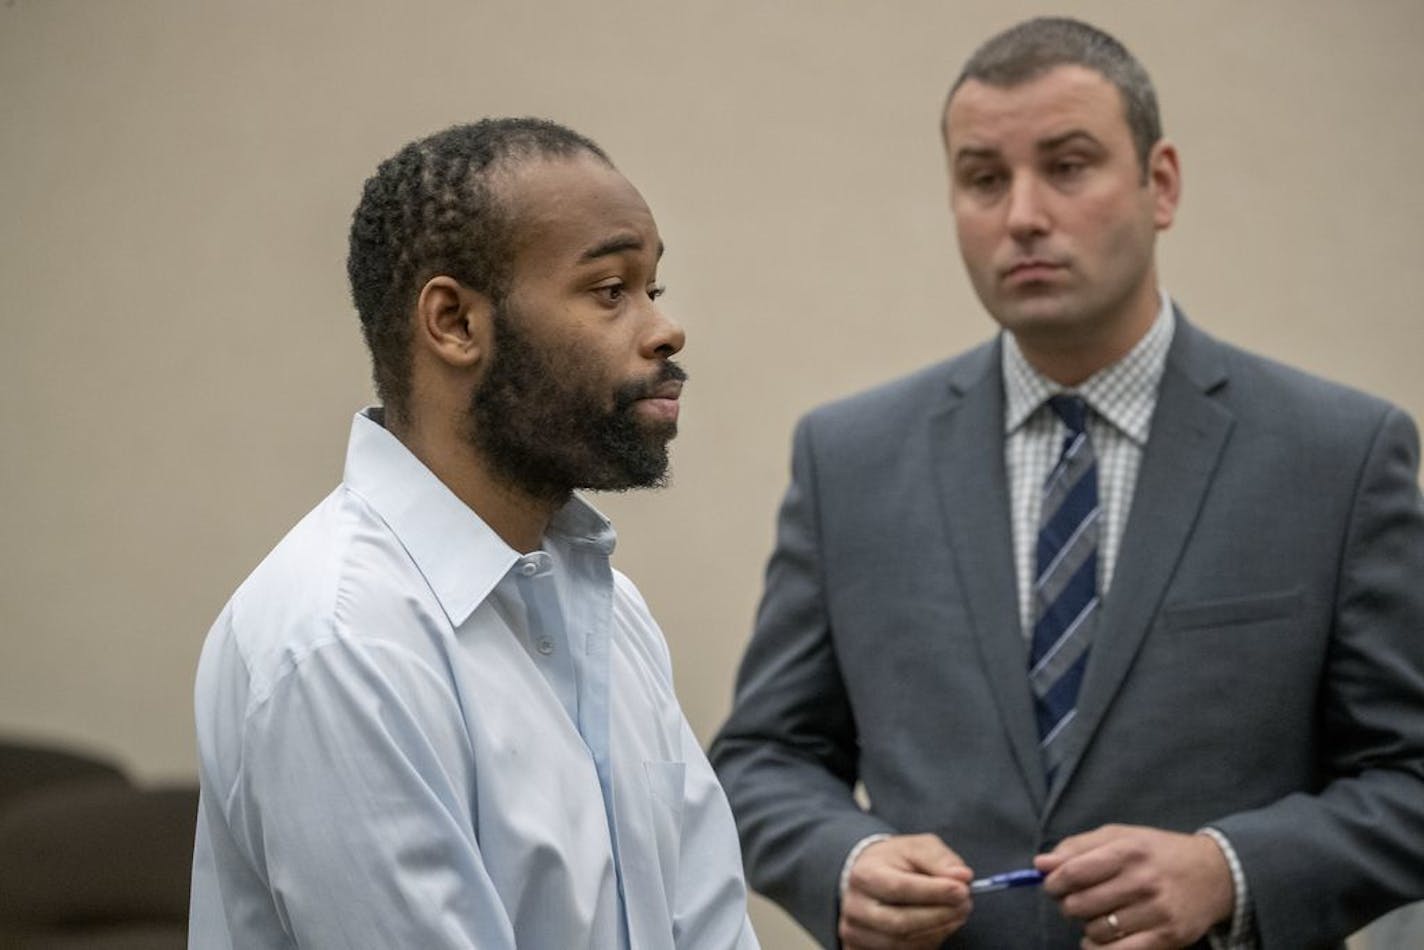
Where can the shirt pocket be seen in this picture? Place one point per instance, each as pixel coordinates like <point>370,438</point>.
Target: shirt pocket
<point>1232,611</point>
<point>666,795</point>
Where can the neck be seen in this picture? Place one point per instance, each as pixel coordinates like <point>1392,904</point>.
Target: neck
<point>1069,365</point>
<point>519,518</point>
<point>1074,353</point>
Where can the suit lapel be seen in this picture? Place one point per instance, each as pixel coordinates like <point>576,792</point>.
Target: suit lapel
<point>966,445</point>
<point>1189,431</point>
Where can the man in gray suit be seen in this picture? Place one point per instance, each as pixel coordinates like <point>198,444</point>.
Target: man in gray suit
<point>1104,598</point>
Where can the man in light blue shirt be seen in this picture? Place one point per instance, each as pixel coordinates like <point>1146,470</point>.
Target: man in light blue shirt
<point>435,716</point>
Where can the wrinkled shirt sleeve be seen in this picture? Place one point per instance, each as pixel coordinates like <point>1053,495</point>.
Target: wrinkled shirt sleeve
<point>711,896</point>
<point>352,797</point>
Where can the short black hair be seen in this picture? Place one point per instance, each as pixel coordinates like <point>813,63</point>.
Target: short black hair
<point>1029,49</point>
<point>432,209</point>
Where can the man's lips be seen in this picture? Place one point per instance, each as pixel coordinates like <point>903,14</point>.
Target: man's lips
<point>1032,269</point>
<point>662,402</point>
<point>668,389</point>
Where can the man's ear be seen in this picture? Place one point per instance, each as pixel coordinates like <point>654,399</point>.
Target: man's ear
<point>452,322</point>
<point>1164,174</point>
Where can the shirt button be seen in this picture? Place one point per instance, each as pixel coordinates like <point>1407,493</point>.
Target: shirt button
<point>546,646</point>
<point>528,568</point>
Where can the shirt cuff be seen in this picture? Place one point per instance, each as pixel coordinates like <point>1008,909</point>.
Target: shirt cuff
<point>860,846</point>
<point>1240,934</point>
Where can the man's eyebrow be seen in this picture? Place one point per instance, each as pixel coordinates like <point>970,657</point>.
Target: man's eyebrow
<point>1067,138</point>
<point>616,245</point>
<point>969,153</point>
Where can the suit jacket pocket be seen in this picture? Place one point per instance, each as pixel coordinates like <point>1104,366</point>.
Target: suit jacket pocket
<point>1232,611</point>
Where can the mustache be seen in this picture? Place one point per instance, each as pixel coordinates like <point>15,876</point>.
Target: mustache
<point>631,392</point>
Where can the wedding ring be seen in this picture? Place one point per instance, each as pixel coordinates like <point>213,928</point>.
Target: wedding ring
<point>1116,925</point>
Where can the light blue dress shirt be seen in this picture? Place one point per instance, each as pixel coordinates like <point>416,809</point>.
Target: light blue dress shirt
<point>412,736</point>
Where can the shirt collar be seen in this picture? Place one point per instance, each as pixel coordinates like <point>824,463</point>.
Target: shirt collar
<point>1124,393</point>
<point>460,556</point>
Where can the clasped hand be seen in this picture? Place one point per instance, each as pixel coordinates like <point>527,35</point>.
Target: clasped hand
<point>1137,888</point>
<point>907,892</point>
<point>1133,888</point>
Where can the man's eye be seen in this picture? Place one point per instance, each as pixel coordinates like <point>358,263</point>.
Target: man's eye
<point>1068,167</point>
<point>612,293</point>
<point>983,181</point>
<point>656,291</point>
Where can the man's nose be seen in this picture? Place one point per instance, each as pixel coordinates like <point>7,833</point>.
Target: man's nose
<point>1027,212</point>
<point>664,338</point>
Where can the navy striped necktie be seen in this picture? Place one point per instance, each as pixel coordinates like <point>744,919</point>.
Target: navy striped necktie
<point>1065,582</point>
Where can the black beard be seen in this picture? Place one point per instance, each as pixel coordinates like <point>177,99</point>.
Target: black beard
<point>544,430</point>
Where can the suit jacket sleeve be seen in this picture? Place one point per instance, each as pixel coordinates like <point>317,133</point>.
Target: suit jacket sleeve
<point>788,755</point>
<point>1319,865</point>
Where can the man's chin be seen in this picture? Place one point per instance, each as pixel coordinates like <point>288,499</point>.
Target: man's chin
<point>1042,316</point>
<point>650,425</point>
<point>632,481</point>
<point>628,467</point>
<point>658,432</point>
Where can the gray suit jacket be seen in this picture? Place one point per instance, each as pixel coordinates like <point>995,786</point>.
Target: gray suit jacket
<point>1258,666</point>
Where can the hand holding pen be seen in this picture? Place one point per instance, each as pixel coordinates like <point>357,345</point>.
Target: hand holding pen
<point>911,891</point>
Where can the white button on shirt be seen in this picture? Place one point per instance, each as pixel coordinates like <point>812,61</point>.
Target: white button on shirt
<point>412,736</point>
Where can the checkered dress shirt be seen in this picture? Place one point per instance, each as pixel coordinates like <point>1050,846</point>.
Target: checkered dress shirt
<point>1121,397</point>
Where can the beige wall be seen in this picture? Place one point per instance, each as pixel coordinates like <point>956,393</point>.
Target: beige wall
<point>180,360</point>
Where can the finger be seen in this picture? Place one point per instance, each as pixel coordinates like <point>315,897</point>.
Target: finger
<point>906,870</point>
<point>1095,903</point>
<point>929,853</point>
<point>1081,873</point>
<point>1088,860</point>
<point>890,886</point>
<point>871,914</point>
<point>1129,927</point>
<point>1137,941</point>
<point>1066,850</point>
<point>854,937</point>
<point>1076,844</point>
<point>1093,886</point>
<point>1109,928</point>
<point>1087,841</point>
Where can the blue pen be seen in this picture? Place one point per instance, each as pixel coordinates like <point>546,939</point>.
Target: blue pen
<point>1027,877</point>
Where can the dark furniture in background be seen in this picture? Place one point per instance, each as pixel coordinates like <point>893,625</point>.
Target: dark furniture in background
<point>90,860</point>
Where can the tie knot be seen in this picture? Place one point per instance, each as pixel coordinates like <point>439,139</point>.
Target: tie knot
<point>1073,410</point>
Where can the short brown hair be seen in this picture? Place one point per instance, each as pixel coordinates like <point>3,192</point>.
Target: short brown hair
<point>1033,47</point>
